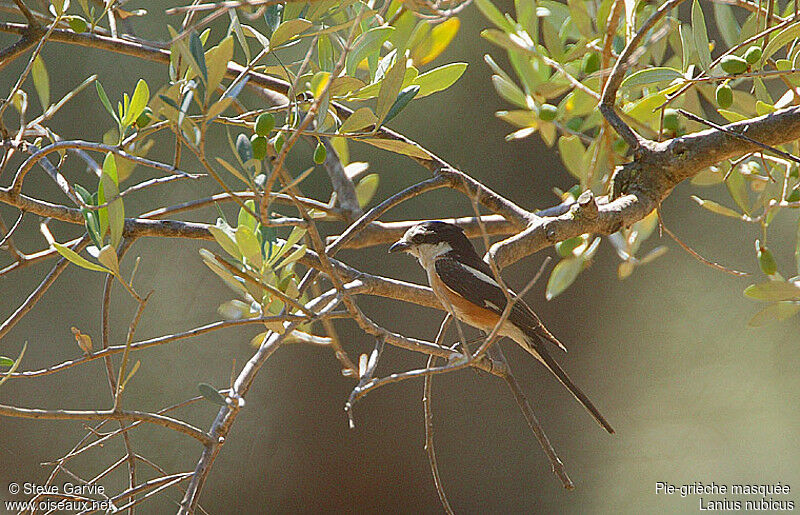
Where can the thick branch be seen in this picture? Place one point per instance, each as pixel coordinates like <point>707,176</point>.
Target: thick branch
<point>642,185</point>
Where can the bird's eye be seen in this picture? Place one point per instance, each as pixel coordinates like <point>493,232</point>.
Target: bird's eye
<point>418,238</point>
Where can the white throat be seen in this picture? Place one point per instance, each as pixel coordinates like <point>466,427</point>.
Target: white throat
<point>427,253</point>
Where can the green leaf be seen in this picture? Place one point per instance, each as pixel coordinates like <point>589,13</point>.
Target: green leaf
<point>398,147</point>
<point>509,91</point>
<point>224,235</point>
<point>780,40</point>
<point>439,78</point>
<point>245,218</point>
<point>719,209</point>
<point>253,33</point>
<point>318,83</point>
<point>774,312</point>
<point>109,184</point>
<point>76,258</point>
<point>373,89</point>
<point>726,23</point>
<point>392,84</point>
<point>700,36</point>
<point>293,256</point>
<point>737,187</point>
<point>104,100</point>
<point>563,275</point>
<point>572,155</point>
<point>91,217</point>
<point>248,245</point>
<point>6,362</point>
<point>272,16</point>
<point>41,81</point>
<point>494,15</point>
<point>366,188</point>
<point>196,48</point>
<point>217,59</point>
<point>211,394</point>
<point>325,53</point>
<point>368,43</point>
<point>344,85</point>
<point>687,45</point>
<point>581,19</point>
<point>15,364</point>
<point>773,291</point>
<point>293,238</point>
<point>235,283</point>
<point>763,108</point>
<point>236,173</point>
<point>435,41</point>
<point>288,30</point>
<point>218,107</point>
<point>235,27</point>
<point>141,95</point>
<point>361,118</point>
<point>731,116</point>
<point>651,76</point>
<point>405,96</point>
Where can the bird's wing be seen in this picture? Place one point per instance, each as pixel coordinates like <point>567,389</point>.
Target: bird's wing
<point>481,289</point>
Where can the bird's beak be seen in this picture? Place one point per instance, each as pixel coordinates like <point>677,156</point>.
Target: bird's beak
<point>399,246</point>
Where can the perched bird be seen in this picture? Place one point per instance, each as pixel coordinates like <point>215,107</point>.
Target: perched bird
<point>465,286</point>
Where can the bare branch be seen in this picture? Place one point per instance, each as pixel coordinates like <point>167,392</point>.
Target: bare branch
<point>131,416</point>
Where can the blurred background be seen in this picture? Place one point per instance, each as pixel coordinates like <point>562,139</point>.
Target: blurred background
<point>694,394</point>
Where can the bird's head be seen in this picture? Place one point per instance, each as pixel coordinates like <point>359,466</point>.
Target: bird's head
<point>428,240</point>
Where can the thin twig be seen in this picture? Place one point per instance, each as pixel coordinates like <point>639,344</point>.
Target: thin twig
<point>428,410</point>
<point>556,464</point>
<point>739,135</point>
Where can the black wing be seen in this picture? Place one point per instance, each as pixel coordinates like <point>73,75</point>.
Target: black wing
<point>475,283</point>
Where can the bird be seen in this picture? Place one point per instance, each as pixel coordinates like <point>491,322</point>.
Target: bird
<point>466,287</point>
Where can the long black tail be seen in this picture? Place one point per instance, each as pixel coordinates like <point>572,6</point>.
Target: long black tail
<point>539,351</point>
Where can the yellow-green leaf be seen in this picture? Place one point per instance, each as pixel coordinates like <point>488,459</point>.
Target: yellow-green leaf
<point>572,155</point>
<point>436,41</point>
<point>41,81</point>
<point>717,208</point>
<point>398,147</point>
<point>650,76</point>
<point>220,232</point>
<point>700,36</point>
<point>731,116</point>
<point>392,84</point>
<point>367,43</point>
<point>294,256</point>
<point>236,173</point>
<point>217,59</point>
<point>773,291</point>
<point>366,188</point>
<point>774,313</point>
<point>293,238</point>
<point>439,78</point>
<point>15,365</point>
<point>141,95</point>
<point>564,274</point>
<point>363,117</point>
<point>109,188</point>
<point>76,258</point>
<point>288,30</point>
<point>248,245</point>
<point>494,15</point>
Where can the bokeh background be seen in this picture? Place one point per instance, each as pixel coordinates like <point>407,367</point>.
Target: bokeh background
<point>694,394</point>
